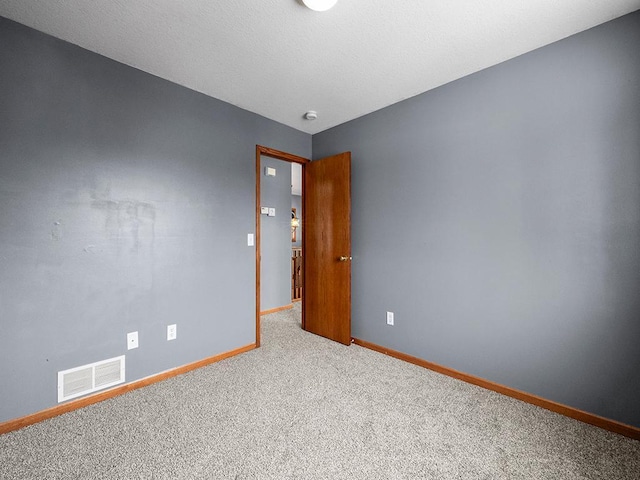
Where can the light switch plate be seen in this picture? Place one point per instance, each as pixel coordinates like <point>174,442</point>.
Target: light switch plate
<point>250,241</point>
<point>264,210</point>
<point>272,212</point>
<point>270,171</point>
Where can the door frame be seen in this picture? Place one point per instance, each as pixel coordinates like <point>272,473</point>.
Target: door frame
<point>287,157</point>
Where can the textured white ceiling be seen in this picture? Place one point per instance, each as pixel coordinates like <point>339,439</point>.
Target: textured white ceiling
<point>278,59</point>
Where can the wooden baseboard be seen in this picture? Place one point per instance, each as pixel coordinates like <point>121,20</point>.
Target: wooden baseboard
<point>586,417</point>
<point>22,422</point>
<point>277,309</point>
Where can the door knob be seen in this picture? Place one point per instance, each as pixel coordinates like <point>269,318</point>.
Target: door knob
<point>344,259</point>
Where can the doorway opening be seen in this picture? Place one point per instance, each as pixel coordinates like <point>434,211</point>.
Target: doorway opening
<point>290,216</point>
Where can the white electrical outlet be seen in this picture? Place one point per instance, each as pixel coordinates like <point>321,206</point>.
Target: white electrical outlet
<point>132,340</point>
<point>389,318</point>
<point>172,332</point>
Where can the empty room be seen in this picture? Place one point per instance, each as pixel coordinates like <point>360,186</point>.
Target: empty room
<point>320,239</point>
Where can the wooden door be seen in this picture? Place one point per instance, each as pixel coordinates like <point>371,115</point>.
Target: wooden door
<point>327,247</point>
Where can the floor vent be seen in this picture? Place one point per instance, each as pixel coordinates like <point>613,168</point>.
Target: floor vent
<point>79,381</point>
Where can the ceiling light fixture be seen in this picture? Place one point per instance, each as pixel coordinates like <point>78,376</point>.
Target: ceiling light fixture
<point>311,115</point>
<point>319,5</point>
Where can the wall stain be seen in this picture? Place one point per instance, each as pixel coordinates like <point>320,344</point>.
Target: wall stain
<point>56,230</point>
<point>90,249</point>
<point>127,220</point>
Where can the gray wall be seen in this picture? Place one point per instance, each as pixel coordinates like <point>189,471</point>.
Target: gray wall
<point>125,203</point>
<point>499,217</point>
<point>275,235</point>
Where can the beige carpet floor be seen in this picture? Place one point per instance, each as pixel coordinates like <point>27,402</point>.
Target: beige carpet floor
<point>302,407</point>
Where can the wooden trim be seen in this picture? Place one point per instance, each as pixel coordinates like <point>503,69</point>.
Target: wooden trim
<point>586,417</point>
<point>280,155</point>
<point>22,422</point>
<point>277,309</point>
<point>257,244</point>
